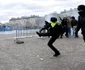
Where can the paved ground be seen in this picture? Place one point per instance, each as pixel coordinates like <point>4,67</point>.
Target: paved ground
<point>34,54</point>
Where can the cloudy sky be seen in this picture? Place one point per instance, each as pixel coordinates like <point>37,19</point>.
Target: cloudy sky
<point>18,8</point>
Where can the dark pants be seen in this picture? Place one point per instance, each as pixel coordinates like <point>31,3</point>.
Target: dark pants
<point>66,30</point>
<point>83,33</point>
<point>62,32</point>
<point>50,44</point>
<point>51,41</point>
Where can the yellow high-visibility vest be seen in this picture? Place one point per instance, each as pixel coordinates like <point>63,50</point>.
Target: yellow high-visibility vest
<point>54,23</point>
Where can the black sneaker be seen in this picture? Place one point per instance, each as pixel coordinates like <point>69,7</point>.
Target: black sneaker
<point>56,54</point>
<point>38,34</point>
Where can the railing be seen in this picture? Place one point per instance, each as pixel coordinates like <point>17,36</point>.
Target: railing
<point>18,34</point>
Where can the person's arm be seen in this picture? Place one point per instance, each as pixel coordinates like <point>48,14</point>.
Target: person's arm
<point>45,27</point>
<point>41,30</point>
<point>60,18</point>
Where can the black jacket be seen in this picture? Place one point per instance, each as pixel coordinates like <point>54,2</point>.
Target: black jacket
<point>81,23</point>
<point>64,22</point>
<point>74,22</point>
<point>56,30</point>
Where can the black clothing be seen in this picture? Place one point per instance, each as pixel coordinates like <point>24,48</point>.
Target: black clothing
<point>74,22</point>
<point>81,22</point>
<point>54,33</point>
<point>64,23</point>
<point>45,27</point>
<point>82,13</point>
<point>51,41</point>
<point>83,33</point>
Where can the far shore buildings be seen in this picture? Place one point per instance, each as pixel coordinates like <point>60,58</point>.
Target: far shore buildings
<point>71,12</point>
<point>26,22</point>
<point>37,21</point>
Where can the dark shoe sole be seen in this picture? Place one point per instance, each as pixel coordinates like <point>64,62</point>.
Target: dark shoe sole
<point>55,55</point>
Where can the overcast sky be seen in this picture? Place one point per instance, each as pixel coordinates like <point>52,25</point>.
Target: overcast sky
<point>17,8</point>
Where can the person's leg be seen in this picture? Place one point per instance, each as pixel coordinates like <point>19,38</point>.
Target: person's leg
<point>69,31</point>
<point>66,30</point>
<point>61,33</point>
<point>83,33</point>
<point>51,41</point>
<point>73,30</point>
<point>43,34</point>
<point>75,27</point>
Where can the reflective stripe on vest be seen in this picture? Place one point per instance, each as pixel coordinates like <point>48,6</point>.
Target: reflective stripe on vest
<point>54,23</point>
